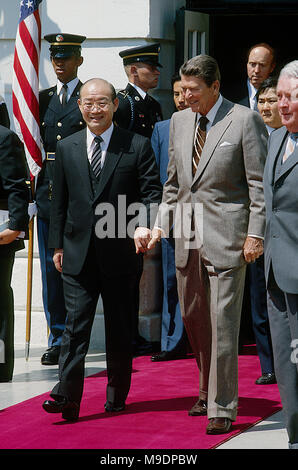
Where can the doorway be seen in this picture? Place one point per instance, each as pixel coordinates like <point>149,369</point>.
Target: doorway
<point>231,36</point>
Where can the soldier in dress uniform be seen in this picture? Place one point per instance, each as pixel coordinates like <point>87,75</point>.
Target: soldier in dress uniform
<point>138,112</point>
<point>59,117</point>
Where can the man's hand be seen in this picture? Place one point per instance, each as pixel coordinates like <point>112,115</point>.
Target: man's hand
<point>252,249</point>
<point>8,236</point>
<point>155,238</point>
<point>142,237</point>
<point>58,259</point>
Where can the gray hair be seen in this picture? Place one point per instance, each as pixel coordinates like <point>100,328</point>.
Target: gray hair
<point>290,70</point>
<point>203,67</point>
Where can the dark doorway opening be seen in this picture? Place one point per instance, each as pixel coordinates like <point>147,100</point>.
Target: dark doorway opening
<point>232,35</point>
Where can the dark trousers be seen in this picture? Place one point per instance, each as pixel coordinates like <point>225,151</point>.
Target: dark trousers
<point>6,318</point>
<point>283,317</point>
<point>172,329</point>
<point>81,297</point>
<point>260,320</point>
<point>52,286</point>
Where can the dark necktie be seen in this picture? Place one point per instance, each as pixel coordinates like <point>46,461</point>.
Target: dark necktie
<point>96,157</point>
<point>64,95</point>
<point>199,141</point>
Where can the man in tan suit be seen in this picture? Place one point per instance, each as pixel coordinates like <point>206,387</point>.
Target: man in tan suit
<point>214,196</point>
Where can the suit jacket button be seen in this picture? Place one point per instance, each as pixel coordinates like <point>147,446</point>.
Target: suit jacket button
<point>58,137</point>
<point>59,124</point>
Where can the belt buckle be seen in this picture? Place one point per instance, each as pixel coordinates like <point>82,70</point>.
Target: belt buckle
<point>50,156</point>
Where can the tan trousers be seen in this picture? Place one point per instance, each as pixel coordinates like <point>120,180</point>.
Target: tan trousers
<point>211,301</point>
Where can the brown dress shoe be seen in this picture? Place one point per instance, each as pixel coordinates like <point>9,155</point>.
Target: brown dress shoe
<point>218,426</point>
<point>199,408</point>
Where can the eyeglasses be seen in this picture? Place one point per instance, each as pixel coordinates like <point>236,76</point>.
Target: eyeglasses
<point>99,105</point>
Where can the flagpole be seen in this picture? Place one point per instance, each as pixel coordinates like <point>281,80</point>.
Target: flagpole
<point>25,95</point>
<point>29,288</point>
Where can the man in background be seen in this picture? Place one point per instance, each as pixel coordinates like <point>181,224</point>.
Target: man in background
<point>59,118</point>
<point>138,112</point>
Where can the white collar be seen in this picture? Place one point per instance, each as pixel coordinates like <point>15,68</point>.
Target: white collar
<point>139,90</point>
<point>70,86</point>
<point>252,91</point>
<point>106,136</point>
<point>212,113</point>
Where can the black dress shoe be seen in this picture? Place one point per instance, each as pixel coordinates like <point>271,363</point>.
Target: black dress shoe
<point>167,356</point>
<point>51,356</point>
<point>69,409</point>
<point>266,379</point>
<point>141,346</point>
<point>114,408</point>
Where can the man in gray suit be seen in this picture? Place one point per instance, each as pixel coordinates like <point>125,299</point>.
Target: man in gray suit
<point>281,245</point>
<point>216,158</point>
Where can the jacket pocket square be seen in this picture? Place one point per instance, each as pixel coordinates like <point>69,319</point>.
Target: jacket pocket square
<point>225,144</point>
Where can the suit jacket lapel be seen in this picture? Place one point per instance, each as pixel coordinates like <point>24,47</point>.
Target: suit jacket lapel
<point>81,160</point>
<point>72,104</point>
<point>221,122</point>
<point>289,163</point>
<point>113,155</point>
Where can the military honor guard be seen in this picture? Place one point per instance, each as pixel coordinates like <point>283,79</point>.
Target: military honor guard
<point>59,117</point>
<point>138,112</point>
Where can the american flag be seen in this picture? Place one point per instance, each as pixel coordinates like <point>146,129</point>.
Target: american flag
<point>25,85</point>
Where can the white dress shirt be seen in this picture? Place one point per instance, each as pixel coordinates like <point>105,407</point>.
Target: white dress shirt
<point>70,88</point>
<point>139,90</point>
<point>106,137</point>
<point>252,91</point>
<point>211,114</point>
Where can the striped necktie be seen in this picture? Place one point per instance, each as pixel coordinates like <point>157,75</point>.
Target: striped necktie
<point>291,144</point>
<point>96,156</point>
<point>199,141</point>
<point>64,95</point>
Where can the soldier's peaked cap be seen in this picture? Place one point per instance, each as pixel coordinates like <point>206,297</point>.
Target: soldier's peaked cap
<point>147,54</point>
<point>64,45</point>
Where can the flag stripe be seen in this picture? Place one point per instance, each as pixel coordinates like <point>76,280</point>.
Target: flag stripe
<point>30,98</point>
<point>25,94</point>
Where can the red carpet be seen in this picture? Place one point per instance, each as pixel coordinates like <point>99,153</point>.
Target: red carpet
<point>155,418</point>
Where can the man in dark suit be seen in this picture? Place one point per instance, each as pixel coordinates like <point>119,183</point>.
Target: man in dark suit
<point>14,199</point>
<point>261,63</point>
<point>173,335</point>
<point>281,242</point>
<point>96,170</point>
<point>59,118</point>
<point>138,112</point>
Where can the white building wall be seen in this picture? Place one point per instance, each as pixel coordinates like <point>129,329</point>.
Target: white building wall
<point>110,26</point>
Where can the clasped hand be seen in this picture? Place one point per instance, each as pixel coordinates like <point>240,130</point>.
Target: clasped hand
<point>252,249</point>
<point>146,239</point>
